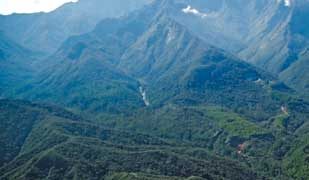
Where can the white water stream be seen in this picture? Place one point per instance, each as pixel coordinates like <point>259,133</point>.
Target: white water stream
<point>143,94</point>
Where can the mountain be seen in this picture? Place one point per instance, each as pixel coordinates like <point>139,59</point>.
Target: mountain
<point>291,38</point>
<point>45,141</point>
<point>15,64</point>
<point>145,49</point>
<point>165,92</point>
<point>269,34</point>
<point>83,79</point>
<point>83,71</point>
<point>298,156</point>
<point>17,120</point>
<point>146,73</point>
<point>45,32</point>
<point>297,75</point>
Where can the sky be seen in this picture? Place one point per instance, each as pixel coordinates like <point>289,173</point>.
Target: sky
<point>30,6</point>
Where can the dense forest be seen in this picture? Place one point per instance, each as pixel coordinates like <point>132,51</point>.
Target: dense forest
<point>156,89</point>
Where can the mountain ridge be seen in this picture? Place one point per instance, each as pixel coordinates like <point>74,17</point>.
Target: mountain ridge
<point>157,98</point>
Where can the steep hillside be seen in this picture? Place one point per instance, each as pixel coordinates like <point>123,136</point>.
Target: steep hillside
<point>173,64</point>
<point>270,34</point>
<point>82,74</point>
<point>193,92</point>
<point>297,75</point>
<point>160,93</point>
<point>15,64</point>
<point>290,39</point>
<point>17,121</point>
<point>88,84</point>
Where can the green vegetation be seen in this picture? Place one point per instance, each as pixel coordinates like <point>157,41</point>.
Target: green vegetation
<point>296,161</point>
<point>138,176</point>
<point>233,123</point>
<point>280,121</point>
<point>60,147</point>
<point>210,115</point>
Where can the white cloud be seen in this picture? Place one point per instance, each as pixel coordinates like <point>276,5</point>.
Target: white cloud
<point>190,10</point>
<point>287,3</point>
<point>30,6</point>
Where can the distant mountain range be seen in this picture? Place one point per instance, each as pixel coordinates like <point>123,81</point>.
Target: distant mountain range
<point>169,89</point>
<point>269,34</point>
<point>44,32</point>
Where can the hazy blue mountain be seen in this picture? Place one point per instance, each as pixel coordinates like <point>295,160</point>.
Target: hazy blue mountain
<point>267,33</point>
<point>84,71</point>
<point>281,48</point>
<point>82,78</point>
<point>15,64</point>
<point>297,75</point>
<point>46,31</point>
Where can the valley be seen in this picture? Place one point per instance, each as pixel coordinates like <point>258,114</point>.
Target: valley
<point>162,89</point>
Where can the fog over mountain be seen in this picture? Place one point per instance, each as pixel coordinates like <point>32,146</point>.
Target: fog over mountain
<point>156,89</point>
<point>45,32</point>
